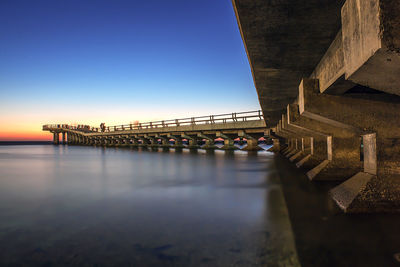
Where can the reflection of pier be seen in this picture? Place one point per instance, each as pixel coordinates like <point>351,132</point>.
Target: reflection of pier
<point>195,131</point>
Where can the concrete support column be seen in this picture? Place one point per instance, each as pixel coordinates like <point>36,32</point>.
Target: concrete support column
<point>113,141</point>
<point>145,141</point>
<point>108,141</point>
<point>72,138</point>
<point>210,140</point>
<point>178,141</point>
<point>210,144</point>
<point>165,142</point>
<point>127,141</point>
<point>56,140</point>
<point>135,141</point>
<point>229,144</point>
<point>276,146</point>
<point>252,145</point>
<point>153,141</point>
<point>228,141</point>
<point>63,138</point>
<point>192,140</point>
<point>118,141</point>
<point>68,137</point>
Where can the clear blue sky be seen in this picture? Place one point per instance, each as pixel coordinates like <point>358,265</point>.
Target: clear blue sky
<point>119,61</point>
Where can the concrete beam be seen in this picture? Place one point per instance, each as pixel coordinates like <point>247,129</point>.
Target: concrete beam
<point>371,42</point>
<point>284,41</point>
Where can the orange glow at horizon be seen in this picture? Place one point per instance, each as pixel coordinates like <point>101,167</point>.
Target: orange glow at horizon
<point>26,136</point>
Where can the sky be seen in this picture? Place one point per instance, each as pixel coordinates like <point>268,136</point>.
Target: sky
<point>87,62</point>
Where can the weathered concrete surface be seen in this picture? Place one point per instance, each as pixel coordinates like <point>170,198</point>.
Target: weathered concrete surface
<point>371,43</point>
<point>331,70</point>
<point>284,41</point>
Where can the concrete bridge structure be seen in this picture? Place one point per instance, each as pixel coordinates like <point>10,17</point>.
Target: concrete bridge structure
<point>197,130</point>
<point>327,74</point>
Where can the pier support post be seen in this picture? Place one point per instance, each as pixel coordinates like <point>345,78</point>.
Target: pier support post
<point>165,141</point>
<point>56,140</point>
<point>210,140</point>
<point>178,141</point>
<point>228,141</point>
<point>276,146</point>
<point>135,141</point>
<point>252,145</point>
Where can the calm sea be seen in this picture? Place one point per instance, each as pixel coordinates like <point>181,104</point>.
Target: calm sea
<point>72,205</point>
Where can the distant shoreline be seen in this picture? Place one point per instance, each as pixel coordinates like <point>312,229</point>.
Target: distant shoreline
<point>14,143</point>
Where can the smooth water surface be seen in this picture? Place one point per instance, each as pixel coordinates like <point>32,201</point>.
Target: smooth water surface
<point>66,205</point>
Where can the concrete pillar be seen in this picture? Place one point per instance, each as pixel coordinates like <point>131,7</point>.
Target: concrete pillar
<point>113,141</point>
<point>108,141</point>
<point>276,147</point>
<point>252,145</point>
<point>68,137</point>
<point>135,141</point>
<point>72,138</point>
<point>178,141</point>
<point>118,141</point>
<point>210,140</point>
<point>63,138</point>
<point>165,142</point>
<point>56,140</point>
<point>145,141</point>
<point>229,144</point>
<point>228,141</point>
<point>127,140</point>
<point>210,144</point>
<point>153,141</point>
<point>192,140</point>
<point>104,141</point>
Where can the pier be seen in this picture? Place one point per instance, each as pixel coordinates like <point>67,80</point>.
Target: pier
<point>197,131</point>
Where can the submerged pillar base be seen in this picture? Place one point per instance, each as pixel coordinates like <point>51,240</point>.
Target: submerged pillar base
<point>252,145</point>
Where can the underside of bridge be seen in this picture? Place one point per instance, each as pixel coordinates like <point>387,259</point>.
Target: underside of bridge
<point>284,41</point>
<point>327,74</point>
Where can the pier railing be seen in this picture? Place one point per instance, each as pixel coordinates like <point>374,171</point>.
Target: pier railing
<point>211,119</point>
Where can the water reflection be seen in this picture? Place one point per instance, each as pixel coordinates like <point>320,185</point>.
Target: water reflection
<point>87,206</point>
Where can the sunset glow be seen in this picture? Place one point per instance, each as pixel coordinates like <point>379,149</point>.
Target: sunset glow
<point>84,69</point>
